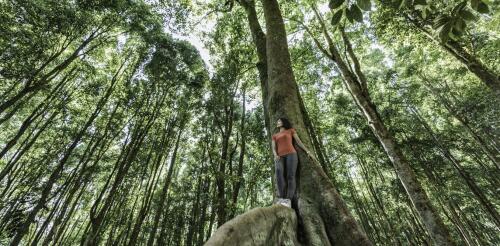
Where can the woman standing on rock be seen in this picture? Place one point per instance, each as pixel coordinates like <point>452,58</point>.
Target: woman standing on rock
<point>285,156</point>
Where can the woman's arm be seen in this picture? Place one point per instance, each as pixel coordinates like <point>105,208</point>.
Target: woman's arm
<point>273,145</point>
<point>301,145</point>
<point>299,142</point>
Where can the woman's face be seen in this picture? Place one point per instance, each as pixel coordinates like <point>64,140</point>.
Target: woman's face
<point>279,123</point>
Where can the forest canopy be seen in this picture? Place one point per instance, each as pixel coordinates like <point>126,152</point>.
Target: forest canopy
<point>150,122</point>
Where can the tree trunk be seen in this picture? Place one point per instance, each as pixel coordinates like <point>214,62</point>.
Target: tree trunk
<point>464,121</point>
<point>355,82</point>
<point>164,191</point>
<point>486,75</point>
<point>239,173</point>
<point>47,187</point>
<point>324,217</point>
<point>476,190</point>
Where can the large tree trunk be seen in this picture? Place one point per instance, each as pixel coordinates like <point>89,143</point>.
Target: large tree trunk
<point>323,216</point>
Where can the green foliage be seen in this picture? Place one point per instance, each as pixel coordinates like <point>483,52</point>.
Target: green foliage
<point>335,3</point>
<point>59,60</point>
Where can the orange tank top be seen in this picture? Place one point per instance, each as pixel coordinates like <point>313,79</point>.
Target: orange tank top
<point>283,142</point>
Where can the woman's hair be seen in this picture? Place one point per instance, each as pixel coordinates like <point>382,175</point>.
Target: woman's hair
<point>286,123</point>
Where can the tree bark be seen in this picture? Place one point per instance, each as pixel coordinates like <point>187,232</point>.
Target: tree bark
<point>323,215</point>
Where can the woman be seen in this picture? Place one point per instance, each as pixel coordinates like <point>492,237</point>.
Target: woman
<point>286,156</point>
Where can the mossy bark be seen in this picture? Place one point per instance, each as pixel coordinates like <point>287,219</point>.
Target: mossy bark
<point>274,225</point>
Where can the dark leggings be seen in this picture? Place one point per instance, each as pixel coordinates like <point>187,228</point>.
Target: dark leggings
<point>289,162</point>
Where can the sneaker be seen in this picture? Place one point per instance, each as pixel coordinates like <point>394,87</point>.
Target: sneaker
<point>277,200</point>
<point>280,201</point>
<point>287,203</point>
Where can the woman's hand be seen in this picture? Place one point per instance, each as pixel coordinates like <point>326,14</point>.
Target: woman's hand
<point>311,155</point>
<point>276,157</point>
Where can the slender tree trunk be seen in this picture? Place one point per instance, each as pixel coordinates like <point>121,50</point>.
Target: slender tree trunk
<point>492,155</point>
<point>213,208</point>
<point>474,65</point>
<point>59,168</point>
<point>314,138</point>
<point>225,158</point>
<point>35,86</point>
<point>239,173</point>
<point>377,200</point>
<point>355,82</point>
<point>193,216</point>
<point>487,76</point>
<point>166,183</point>
<point>203,217</point>
<point>259,40</point>
<point>122,167</point>
<point>483,200</point>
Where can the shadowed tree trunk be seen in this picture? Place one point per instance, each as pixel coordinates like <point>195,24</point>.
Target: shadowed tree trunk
<point>163,195</point>
<point>239,172</point>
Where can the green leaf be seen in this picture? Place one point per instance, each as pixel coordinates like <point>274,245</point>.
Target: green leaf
<point>405,3</point>
<point>349,15</point>
<point>483,8</point>
<point>335,3</point>
<point>479,6</point>
<point>424,13</point>
<point>455,34</point>
<point>397,3</point>
<point>364,4</point>
<point>458,7</point>
<point>474,4</point>
<point>337,17</point>
<point>467,15</point>
<point>419,2</point>
<point>460,25</point>
<point>440,21</point>
<point>356,13</point>
<point>444,31</point>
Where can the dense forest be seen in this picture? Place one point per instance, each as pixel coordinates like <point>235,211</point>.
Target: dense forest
<point>132,122</point>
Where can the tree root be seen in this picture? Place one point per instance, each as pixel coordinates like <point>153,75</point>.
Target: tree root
<point>274,225</point>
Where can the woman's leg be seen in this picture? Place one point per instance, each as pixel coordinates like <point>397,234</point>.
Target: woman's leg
<point>291,168</point>
<point>280,176</point>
